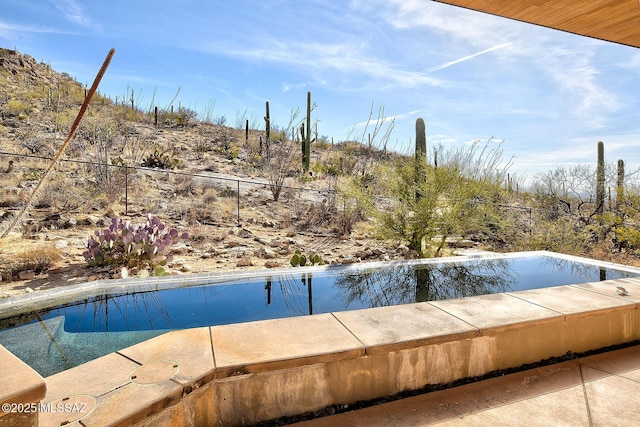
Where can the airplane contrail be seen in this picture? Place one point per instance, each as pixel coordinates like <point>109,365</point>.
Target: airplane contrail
<point>466,58</point>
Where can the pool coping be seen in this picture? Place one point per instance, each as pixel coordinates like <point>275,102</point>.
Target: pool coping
<point>255,371</point>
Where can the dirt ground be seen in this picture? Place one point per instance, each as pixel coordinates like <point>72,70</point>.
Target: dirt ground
<point>251,246</point>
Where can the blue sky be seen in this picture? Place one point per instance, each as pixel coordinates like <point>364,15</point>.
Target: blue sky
<point>549,95</point>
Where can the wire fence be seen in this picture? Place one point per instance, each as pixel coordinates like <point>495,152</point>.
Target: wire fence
<point>240,189</point>
<point>129,171</point>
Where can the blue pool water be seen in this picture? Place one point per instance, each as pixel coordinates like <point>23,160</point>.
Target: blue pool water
<point>58,338</point>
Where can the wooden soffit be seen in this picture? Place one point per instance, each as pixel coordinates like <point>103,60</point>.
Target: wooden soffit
<point>616,21</point>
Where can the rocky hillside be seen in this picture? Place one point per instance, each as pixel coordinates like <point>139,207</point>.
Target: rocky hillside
<point>203,178</point>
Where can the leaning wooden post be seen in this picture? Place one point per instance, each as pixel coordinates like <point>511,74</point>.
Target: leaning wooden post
<point>74,127</point>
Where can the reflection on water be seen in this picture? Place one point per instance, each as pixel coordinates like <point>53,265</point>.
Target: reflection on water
<point>86,329</point>
<point>405,284</point>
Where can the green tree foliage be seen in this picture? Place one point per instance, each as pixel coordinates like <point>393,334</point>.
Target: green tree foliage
<point>428,211</point>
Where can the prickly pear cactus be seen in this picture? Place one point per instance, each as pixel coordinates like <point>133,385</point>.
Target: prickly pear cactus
<point>300,260</point>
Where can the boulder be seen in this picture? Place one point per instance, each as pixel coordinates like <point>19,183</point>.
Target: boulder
<point>244,262</point>
<point>27,275</point>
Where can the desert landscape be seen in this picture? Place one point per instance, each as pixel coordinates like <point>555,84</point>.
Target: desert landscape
<point>247,201</point>
<point>200,196</point>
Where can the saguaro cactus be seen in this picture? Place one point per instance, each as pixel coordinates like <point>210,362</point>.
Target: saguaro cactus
<point>620,185</point>
<point>267,136</point>
<point>306,137</point>
<point>420,154</point>
<point>420,176</point>
<point>246,134</point>
<point>600,179</point>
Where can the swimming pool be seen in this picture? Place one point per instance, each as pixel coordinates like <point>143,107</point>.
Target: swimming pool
<point>57,336</point>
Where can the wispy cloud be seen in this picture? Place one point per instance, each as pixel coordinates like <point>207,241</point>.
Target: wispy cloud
<point>577,78</point>
<point>11,31</point>
<point>75,12</point>
<point>286,87</point>
<point>583,150</point>
<point>441,139</point>
<point>385,119</point>
<point>139,79</point>
<point>468,57</point>
<point>319,58</point>
<point>574,71</point>
<point>474,28</point>
<point>633,63</point>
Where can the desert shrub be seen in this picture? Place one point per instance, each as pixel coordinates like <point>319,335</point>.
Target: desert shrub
<point>613,227</point>
<point>330,166</point>
<point>316,215</point>
<point>134,145</point>
<point>354,202</point>
<point>133,245</point>
<point>62,122</point>
<point>561,235</point>
<point>124,113</point>
<point>184,185</point>
<point>17,108</point>
<point>323,143</point>
<point>32,145</point>
<point>230,151</point>
<point>278,167</point>
<point>98,135</point>
<point>64,195</point>
<point>39,260</point>
<point>182,117</point>
<point>209,194</point>
<point>202,145</point>
<point>279,134</point>
<point>185,115</point>
<point>161,160</point>
<point>228,191</point>
<point>627,238</point>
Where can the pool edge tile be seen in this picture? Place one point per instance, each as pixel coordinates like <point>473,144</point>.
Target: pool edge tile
<point>21,383</point>
<point>99,376</point>
<point>381,329</point>
<point>575,301</point>
<point>480,312</point>
<point>276,344</point>
<point>190,348</point>
<point>133,403</point>
<point>609,288</point>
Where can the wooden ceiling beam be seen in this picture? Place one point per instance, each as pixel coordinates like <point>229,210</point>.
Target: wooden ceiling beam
<point>616,21</point>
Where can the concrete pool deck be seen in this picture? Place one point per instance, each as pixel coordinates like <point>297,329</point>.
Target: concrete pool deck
<point>245,373</point>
